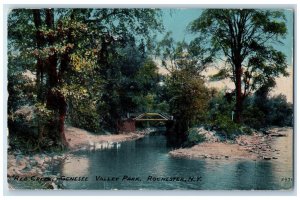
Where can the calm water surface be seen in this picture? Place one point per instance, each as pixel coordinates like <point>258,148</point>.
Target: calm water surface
<point>149,157</point>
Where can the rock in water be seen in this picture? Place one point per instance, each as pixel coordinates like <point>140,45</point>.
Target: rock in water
<point>266,158</point>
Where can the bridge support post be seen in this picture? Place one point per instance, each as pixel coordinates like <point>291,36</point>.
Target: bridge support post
<point>170,128</point>
<point>127,125</point>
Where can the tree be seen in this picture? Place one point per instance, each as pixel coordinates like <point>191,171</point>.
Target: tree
<point>177,55</point>
<point>186,92</point>
<point>52,51</point>
<point>55,50</point>
<point>280,111</point>
<point>76,56</point>
<point>245,38</point>
<point>114,30</point>
<point>188,99</point>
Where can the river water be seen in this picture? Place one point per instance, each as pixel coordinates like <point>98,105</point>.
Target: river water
<point>130,166</point>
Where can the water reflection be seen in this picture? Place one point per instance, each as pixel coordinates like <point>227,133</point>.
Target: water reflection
<point>93,146</point>
<point>149,157</point>
<point>242,171</point>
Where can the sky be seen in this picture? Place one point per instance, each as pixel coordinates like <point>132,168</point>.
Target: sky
<point>176,21</point>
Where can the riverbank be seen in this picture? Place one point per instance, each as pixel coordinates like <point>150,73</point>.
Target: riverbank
<point>259,145</point>
<point>81,139</point>
<point>42,164</point>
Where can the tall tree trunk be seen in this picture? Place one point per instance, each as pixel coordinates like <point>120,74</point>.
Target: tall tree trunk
<point>62,115</point>
<point>55,98</point>
<point>39,44</point>
<point>239,99</point>
<point>107,73</point>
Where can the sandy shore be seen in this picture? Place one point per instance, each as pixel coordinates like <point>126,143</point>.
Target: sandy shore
<point>255,146</point>
<point>216,150</point>
<point>79,138</point>
<point>21,165</point>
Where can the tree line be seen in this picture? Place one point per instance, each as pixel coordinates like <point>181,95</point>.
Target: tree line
<point>90,67</point>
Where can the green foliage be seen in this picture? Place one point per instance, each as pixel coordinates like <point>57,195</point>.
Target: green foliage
<point>184,87</point>
<point>29,128</point>
<point>121,53</point>
<point>280,111</point>
<point>245,37</point>
<point>42,114</point>
<point>220,116</point>
<point>222,74</point>
<point>220,104</point>
<point>188,98</point>
<point>129,85</point>
<point>21,90</point>
<point>21,121</point>
<point>226,126</point>
<point>254,117</point>
<point>81,62</point>
<point>147,76</point>
<point>162,107</point>
<point>28,118</point>
<point>275,111</point>
<point>85,117</point>
<point>246,130</point>
<point>193,138</point>
<point>176,56</point>
<point>260,111</point>
<point>95,65</point>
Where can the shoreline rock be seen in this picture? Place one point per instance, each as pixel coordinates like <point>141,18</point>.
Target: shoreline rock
<point>251,147</point>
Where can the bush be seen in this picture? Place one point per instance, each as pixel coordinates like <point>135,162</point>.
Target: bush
<point>280,111</point>
<point>269,111</point>
<point>193,138</point>
<point>246,130</point>
<point>254,117</point>
<point>226,126</point>
<point>31,127</point>
<point>85,117</point>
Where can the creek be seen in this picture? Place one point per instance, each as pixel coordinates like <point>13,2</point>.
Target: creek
<point>145,164</point>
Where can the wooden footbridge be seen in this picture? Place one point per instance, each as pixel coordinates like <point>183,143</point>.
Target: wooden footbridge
<point>128,124</point>
<point>153,117</point>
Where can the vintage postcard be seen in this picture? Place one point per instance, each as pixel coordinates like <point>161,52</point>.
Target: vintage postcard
<point>150,99</point>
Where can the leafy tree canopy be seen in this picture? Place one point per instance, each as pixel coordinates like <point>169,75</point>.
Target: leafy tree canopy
<point>244,39</point>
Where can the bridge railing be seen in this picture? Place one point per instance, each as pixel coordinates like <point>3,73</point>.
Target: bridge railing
<point>145,117</point>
